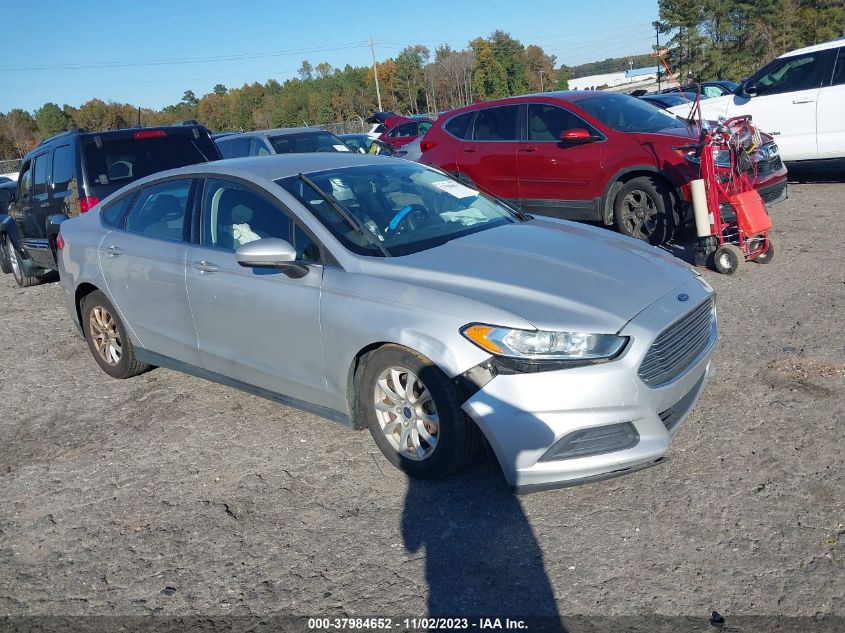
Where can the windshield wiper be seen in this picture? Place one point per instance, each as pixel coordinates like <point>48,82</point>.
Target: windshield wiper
<point>341,210</point>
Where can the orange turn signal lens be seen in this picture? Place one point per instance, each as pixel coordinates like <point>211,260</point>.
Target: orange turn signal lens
<point>478,335</point>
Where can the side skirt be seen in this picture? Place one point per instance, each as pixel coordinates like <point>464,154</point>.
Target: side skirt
<point>152,358</point>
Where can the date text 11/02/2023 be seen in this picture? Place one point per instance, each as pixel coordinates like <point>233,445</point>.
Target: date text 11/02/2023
<point>444,624</point>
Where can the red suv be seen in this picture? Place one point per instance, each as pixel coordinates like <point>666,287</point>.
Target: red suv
<point>590,155</point>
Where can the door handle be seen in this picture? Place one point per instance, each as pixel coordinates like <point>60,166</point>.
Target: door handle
<point>806,100</point>
<point>205,267</point>
<point>470,150</point>
<point>530,148</point>
<point>114,251</point>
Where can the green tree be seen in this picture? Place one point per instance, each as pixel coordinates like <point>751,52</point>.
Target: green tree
<point>306,71</point>
<point>489,77</point>
<point>51,120</point>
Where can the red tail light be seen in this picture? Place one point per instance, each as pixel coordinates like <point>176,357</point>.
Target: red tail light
<point>86,203</point>
<point>149,134</point>
<point>60,242</point>
<point>426,145</point>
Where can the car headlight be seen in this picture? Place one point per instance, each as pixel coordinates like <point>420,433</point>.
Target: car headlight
<point>721,157</point>
<point>539,345</point>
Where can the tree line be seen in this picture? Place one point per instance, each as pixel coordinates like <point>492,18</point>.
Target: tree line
<point>706,39</point>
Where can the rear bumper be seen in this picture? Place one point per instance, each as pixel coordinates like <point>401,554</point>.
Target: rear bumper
<point>524,415</point>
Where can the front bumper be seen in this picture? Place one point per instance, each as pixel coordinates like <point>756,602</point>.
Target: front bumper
<point>524,415</point>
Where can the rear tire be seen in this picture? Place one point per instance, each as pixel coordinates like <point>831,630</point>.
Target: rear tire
<point>769,255</point>
<point>728,259</point>
<point>644,208</point>
<point>5,262</point>
<point>425,432</point>
<point>107,339</point>
<point>16,264</point>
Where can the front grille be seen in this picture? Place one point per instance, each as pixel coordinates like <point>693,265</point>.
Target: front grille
<point>677,347</point>
<point>774,194</point>
<point>676,412</point>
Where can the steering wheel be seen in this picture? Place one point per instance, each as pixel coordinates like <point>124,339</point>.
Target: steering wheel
<point>411,216</point>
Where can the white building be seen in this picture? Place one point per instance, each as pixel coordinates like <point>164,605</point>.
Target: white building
<point>613,80</point>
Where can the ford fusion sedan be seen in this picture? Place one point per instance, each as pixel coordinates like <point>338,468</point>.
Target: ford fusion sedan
<point>386,295</point>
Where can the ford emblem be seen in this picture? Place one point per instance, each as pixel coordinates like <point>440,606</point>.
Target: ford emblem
<point>683,297</point>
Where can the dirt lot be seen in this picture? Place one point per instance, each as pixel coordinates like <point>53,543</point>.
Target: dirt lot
<point>171,496</point>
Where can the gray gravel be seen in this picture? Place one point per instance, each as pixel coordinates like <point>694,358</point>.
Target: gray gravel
<point>167,495</point>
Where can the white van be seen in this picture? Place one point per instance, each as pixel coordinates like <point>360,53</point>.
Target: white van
<point>799,98</point>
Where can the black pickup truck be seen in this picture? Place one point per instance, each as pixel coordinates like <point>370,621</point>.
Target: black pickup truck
<point>71,172</point>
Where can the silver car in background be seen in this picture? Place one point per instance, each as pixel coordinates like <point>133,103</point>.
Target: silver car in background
<point>385,295</point>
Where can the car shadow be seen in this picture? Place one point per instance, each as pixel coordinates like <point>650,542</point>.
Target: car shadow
<point>482,559</point>
<point>816,173</point>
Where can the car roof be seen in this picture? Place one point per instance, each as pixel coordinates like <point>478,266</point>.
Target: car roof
<point>281,131</point>
<point>271,168</point>
<point>125,133</point>
<point>817,47</point>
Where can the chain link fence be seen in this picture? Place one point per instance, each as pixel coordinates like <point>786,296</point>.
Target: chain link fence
<point>10,166</point>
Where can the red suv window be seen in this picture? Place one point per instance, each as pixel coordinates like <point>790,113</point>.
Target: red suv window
<point>497,124</point>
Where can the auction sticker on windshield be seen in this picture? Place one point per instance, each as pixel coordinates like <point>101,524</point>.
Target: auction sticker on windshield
<point>455,189</point>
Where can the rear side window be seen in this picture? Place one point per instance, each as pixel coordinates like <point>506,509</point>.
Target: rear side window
<point>39,182</point>
<point>497,124</point>
<point>258,147</point>
<point>546,122</point>
<point>120,161</point>
<point>113,214</point>
<point>234,215</point>
<point>406,129</point>
<point>159,210</point>
<point>459,125</point>
<point>62,167</point>
<point>238,147</point>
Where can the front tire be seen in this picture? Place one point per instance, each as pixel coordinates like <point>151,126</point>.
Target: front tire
<point>107,339</point>
<point>414,415</point>
<point>644,209</point>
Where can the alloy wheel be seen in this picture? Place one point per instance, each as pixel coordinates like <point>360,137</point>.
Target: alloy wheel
<point>639,214</point>
<point>105,335</point>
<point>406,413</point>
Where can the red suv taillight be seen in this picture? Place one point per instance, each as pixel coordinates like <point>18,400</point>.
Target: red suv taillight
<point>426,145</point>
<point>60,242</point>
<point>86,203</point>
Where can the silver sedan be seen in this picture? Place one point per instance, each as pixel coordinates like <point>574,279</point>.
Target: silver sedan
<point>386,295</point>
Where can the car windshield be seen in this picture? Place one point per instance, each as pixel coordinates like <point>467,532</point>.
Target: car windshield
<point>304,142</point>
<point>400,208</point>
<point>624,113</point>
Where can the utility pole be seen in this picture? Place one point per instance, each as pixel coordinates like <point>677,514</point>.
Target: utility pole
<point>375,72</point>
<point>657,35</point>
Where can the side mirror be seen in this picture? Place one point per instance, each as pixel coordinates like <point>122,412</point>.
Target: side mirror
<point>271,252</point>
<point>750,90</point>
<point>576,136</point>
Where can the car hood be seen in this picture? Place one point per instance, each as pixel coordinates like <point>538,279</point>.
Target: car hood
<point>556,275</point>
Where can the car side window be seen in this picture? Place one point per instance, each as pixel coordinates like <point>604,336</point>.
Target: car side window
<point>791,74</point>
<point>423,127</point>
<point>234,215</point>
<point>711,92</point>
<point>460,125</point>
<point>39,181</point>
<point>307,249</point>
<point>497,124</point>
<point>159,211</point>
<point>839,70</point>
<point>113,214</point>
<point>406,129</point>
<point>25,181</point>
<point>225,148</point>
<point>239,147</point>
<point>62,167</point>
<point>546,122</point>
<point>258,147</point>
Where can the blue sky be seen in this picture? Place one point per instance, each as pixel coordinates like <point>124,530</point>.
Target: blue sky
<point>148,53</point>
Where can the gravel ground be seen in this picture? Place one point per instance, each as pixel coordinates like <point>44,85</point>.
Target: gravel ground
<point>170,496</point>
